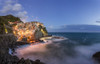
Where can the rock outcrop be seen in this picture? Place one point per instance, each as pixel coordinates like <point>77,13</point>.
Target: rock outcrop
<point>32,31</point>
<point>96,57</point>
<point>9,41</point>
<point>4,20</point>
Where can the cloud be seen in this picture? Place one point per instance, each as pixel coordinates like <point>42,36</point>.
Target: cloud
<point>51,27</point>
<point>98,21</point>
<point>7,8</point>
<point>14,8</point>
<point>17,7</point>
<point>76,28</point>
<point>9,1</point>
<point>22,16</point>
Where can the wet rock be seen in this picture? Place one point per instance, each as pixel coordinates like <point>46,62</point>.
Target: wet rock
<point>18,43</point>
<point>96,56</point>
<point>21,61</point>
<point>27,61</point>
<point>38,62</point>
<point>15,58</point>
<point>7,42</point>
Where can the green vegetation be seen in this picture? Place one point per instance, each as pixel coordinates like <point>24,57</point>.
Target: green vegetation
<point>4,21</point>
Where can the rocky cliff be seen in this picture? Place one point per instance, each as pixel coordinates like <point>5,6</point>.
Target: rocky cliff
<point>4,21</point>
<point>8,41</point>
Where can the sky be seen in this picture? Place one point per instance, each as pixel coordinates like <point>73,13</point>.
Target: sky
<point>54,13</point>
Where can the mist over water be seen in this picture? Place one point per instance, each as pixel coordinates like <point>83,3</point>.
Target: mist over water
<point>61,52</point>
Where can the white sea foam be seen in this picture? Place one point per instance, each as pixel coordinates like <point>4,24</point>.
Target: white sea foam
<point>59,53</point>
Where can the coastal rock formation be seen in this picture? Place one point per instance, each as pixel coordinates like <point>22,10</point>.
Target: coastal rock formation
<point>96,56</point>
<point>32,31</point>
<point>4,20</point>
<point>8,41</point>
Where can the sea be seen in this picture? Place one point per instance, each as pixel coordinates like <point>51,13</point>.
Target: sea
<point>78,48</point>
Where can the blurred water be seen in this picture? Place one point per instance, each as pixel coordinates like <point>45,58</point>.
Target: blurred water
<point>78,49</point>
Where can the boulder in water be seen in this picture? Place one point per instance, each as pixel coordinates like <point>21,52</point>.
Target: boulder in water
<point>96,56</point>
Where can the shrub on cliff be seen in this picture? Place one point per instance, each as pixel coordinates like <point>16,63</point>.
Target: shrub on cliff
<point>4,21</point>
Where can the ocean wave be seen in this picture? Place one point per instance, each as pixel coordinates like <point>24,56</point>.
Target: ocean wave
<point>60,52</point>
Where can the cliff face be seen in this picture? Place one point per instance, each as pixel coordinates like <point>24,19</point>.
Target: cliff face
<point>32,31</point>
<point>9,41</point>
